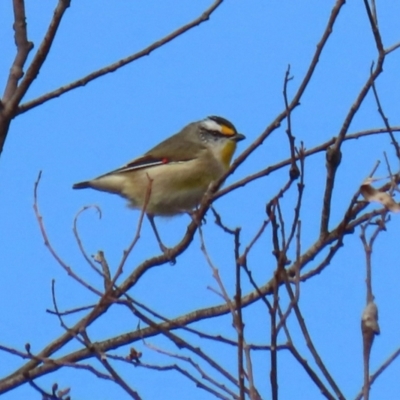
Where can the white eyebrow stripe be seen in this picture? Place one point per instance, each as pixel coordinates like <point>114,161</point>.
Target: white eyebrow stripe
<point>211,125</point>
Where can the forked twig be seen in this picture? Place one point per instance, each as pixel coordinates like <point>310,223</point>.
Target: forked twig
<point>47,243</point>
<point>120,63</point>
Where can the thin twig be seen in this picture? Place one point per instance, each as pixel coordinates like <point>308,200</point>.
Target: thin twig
<point>307,153</point>
<point>180,343</point>
<point>78,239</point>
<point>136,238</point>
<point>310,344</point>
<point>196,366</point>
<point>113,373</point>
<point>66,267</point>
<point>385,119</point>
<point>294,170</point>
<point>118,64</point>
<point>184,372</point>
<point>379,371</point>
<point>23,49</point>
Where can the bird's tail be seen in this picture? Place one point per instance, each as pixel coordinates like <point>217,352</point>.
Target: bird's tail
<point>81,185</point>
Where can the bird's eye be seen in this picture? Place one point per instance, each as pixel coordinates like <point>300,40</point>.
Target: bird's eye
<point>215,133</point>
<point>208,130</point>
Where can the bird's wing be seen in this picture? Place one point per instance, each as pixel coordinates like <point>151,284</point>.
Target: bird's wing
<point>146,161</point>
<point>165,153</point>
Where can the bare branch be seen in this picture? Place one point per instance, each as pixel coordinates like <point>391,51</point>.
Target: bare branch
<point>47,243</point>
<point>385,120</point>
<point>307,153</point>
<point>381,369</point>
<point>10,107</point>
<point>117,65</point>
<point>23,49</point>
<point>78,239</point>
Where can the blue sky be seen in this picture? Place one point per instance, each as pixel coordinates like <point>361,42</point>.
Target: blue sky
<point>233,65</point>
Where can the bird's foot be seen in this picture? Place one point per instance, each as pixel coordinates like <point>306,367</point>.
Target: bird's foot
<point>168,253</point>
<point>195,217</point>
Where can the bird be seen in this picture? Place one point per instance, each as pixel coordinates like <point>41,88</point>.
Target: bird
<point>172,177</point>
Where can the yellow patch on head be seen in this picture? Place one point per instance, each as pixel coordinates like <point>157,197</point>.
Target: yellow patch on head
<point>227,131</point>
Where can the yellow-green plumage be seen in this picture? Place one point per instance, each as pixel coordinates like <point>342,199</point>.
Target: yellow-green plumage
<point>178,171</point>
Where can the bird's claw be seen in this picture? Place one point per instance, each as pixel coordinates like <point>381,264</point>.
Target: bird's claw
<point>168,253</point>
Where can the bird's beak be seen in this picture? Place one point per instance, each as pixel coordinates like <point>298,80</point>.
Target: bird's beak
<point>238,137</point>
